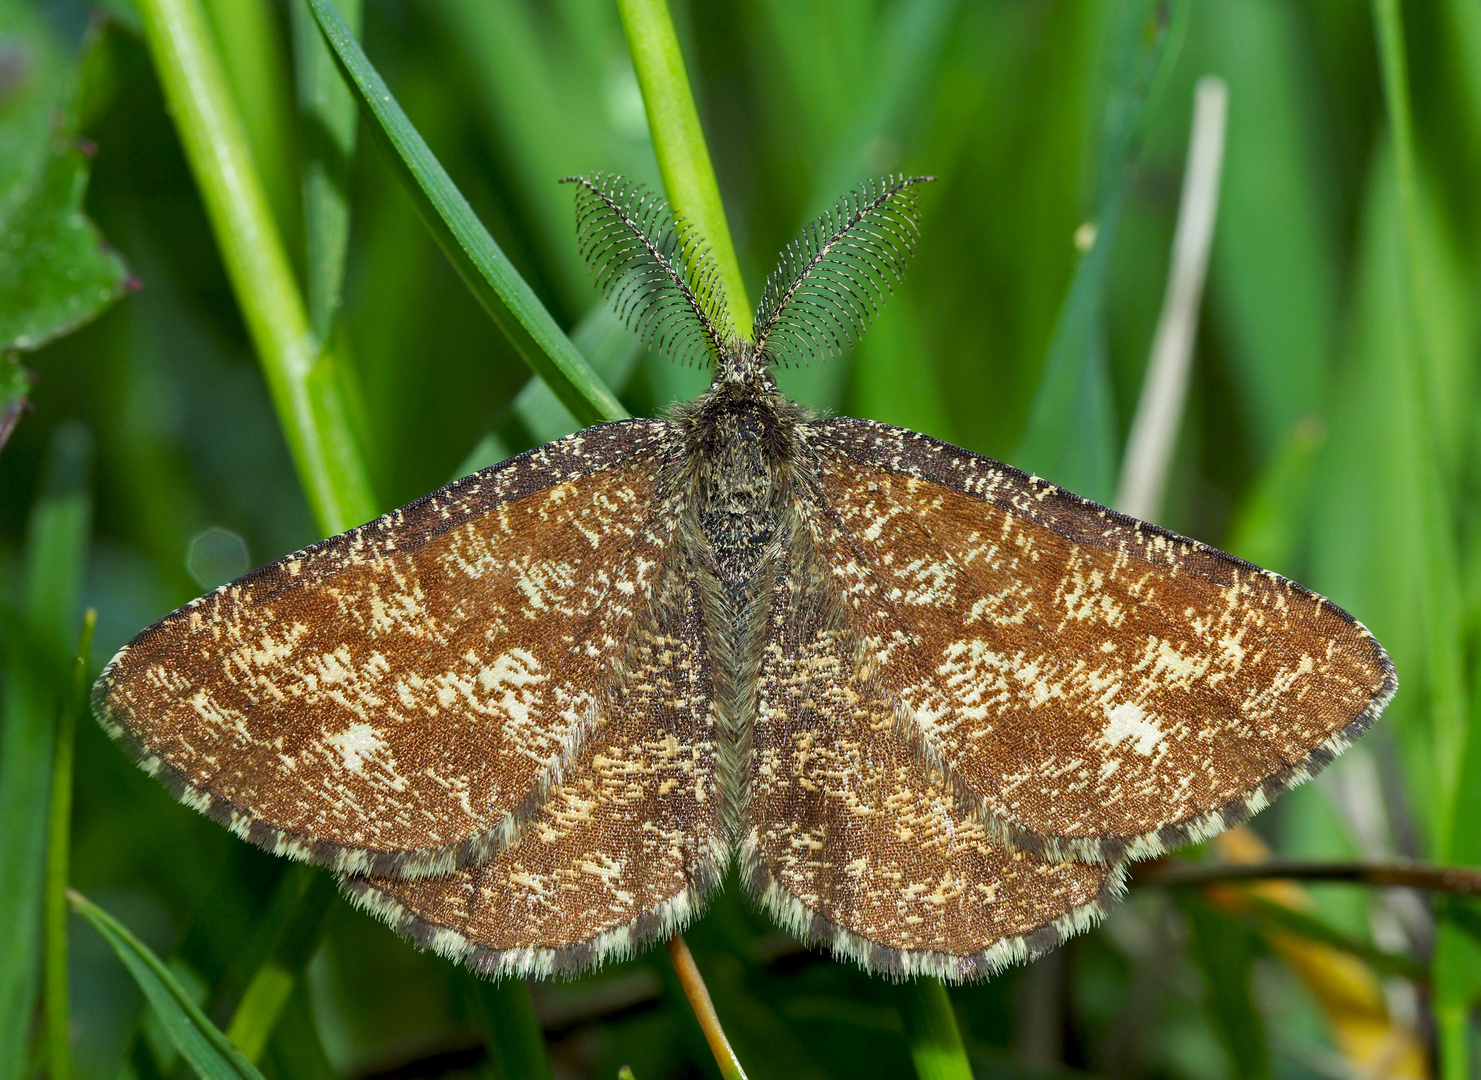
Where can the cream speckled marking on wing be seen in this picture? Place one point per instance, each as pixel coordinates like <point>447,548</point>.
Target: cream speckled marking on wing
<point>366,703</point>
<point>1151,690</point>
<point>624,850</point>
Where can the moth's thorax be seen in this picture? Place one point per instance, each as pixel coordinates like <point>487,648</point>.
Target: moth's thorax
<point>740,439</point>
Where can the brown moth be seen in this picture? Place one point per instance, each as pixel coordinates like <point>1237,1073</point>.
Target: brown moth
<point>928,704</point>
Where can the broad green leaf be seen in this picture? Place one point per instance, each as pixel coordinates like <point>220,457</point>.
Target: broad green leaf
<point>478,259</point>
<point>33,685</point>
<point>200,1042</point>
<point>1072,436</point>
<point>55,272</point>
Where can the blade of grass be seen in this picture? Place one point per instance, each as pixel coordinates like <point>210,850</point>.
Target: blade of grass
<point>199,1041</point>
<point>1071,426</point>
<point>328,120</point>
<point>480,262</point>
<point>516,1045</point>
<point>537,413</point>
<point>1225,949</point>
<point>300,374</point>
<point>1302,925</point>
<point>59,833</point>
<point>294,945</point>
<point>931,1029</point>
<point>56,552</point>
<point>1457,960</point>
<point>679,142</point>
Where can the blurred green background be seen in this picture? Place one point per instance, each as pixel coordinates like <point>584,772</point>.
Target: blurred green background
<point>1329,434</point>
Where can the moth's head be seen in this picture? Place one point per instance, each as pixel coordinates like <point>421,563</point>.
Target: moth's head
<point>662,280</point>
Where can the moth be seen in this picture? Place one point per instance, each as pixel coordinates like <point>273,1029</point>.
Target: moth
<point>927,706</point>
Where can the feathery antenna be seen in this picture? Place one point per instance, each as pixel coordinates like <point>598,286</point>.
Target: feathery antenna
<point>656,273</point>
<point>833,278</point>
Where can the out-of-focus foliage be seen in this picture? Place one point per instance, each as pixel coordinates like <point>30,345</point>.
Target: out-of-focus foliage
<point>1329,435</point>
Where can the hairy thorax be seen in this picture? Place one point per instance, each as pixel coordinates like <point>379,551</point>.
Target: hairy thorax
<point>740,447</point>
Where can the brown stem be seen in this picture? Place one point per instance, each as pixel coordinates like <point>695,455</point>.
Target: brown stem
<point>1456,880</point>
<point>704,1009</point>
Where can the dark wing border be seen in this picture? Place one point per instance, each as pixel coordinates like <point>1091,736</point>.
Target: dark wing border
<point>1037,500</point>
<point>428,517</point>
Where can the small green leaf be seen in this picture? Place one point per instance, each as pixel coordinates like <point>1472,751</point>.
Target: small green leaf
<point>480,262</point>
<point>199,1041</point>
<point>55,271</point>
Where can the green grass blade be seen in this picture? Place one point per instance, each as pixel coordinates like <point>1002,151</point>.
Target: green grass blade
<point>516,1045</point>
<point>300,375</point>
<point>1225,952</point>
<point>485,268</point>
<point>679,141</point>
<point>56,553</point>
<point>537,412</point>
<point>199,1041</point>
<point>293,946</point>
<point>59,834</point>
<point>1457,961</point>
<point>931,1029</point>
<point>1071,435</point>
<point>329,121</point>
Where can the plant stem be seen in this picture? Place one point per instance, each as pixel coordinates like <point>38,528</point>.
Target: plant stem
<point>1457,880</point>
<point>679,142</point>
<point>704,1009</point>
<point>931,1029</point>
<point>59,1046</point>
<point>300,375</point>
